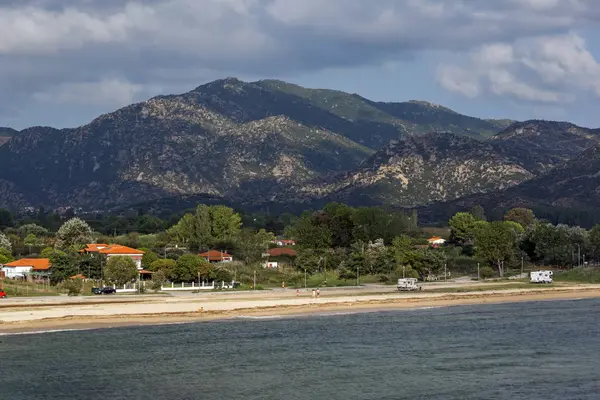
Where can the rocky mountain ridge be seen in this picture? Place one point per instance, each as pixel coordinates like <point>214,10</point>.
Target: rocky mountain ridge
<point>270,141</point>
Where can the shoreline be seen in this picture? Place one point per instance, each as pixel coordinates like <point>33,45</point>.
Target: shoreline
<point>274,308</point>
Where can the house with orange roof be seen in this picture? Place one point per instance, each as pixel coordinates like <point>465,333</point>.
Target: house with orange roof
<point>27,266</point>
<point>113,250</point>
<point>436,241</point>
<point>215,256</point>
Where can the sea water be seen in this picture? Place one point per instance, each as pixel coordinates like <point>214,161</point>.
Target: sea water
<point>541,350</point>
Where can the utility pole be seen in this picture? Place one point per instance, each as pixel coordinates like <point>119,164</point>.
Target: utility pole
<point>357,277</point>
<point>403,271</point>
<point>478,278</point>
<point>254,286</point>
<point>445,273</point>
<point>579,255</point>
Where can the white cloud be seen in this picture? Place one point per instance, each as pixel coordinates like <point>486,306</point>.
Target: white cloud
<point>548,69</point>
<point>53,47</point>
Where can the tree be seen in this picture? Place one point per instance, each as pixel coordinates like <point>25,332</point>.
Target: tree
<point>6,219</point>
<point>478,212</point>
<point>120,270</point>
<point>428,262</point>
<point>159,278</point>
<point>311,231</point>
<point>251,245</point>
<point>462,228</point>
<point>5,256</point>
<point>341,224</point>
<point>32,241</point>
<point>74,232</point>
<point>64,264</point>
<point>148,258</point>
<point>403,250</point>
<point>594,242</point>
<point>5,242</point>
<point>189,266</point>
<point>225,223</point>
<point>522,216</point>
<point>164,264</point>
<point>32,229</point>
<point>496,243</point>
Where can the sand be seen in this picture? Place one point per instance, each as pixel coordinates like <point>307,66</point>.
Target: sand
<point>60,313</point>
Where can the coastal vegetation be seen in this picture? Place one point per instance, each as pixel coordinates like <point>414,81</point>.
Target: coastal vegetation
<point>337,245</point>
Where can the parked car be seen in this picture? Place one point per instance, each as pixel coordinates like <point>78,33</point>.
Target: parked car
<point>3,294</point>
<point>104,290</point>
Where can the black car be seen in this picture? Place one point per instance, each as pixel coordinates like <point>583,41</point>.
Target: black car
<point>104,290</point>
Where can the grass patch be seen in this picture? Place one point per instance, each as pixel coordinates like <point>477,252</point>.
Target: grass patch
<point>579,275</point>
<point>27,289</point>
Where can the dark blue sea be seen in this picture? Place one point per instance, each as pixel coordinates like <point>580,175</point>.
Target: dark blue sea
<point>543,350</point>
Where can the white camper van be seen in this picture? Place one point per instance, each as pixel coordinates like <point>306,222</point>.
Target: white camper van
<point>541,277</point>
<point>408,284</point>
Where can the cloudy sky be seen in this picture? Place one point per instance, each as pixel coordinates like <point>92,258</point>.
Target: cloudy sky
<point>63,62</point>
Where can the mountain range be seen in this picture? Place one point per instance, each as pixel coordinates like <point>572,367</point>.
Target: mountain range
<point>272,142</point>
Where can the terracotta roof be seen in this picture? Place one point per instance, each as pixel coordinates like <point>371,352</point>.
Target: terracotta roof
<point>145,272</point>
<point>215,255</point>
<point>38,264</point>
<point>78,276</point>
<point>434,238</point>
<point>119,249</point>
<point>282,251</point>
<point>93,247</point>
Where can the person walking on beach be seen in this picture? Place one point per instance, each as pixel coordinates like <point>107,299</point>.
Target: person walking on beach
<point>297,292</point>
<point>318,293</point>
<point>314,293</point>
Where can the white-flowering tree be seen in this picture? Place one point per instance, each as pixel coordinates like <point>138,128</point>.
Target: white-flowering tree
<point>5,242</point>
<point>74,232</point>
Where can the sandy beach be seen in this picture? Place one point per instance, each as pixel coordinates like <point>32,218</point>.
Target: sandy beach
<point>60,313</point>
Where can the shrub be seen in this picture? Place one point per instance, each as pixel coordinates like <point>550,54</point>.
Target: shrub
<point>72,286</point>
<point>486,272</point>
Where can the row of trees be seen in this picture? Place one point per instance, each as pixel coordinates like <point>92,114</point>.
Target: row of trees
<point>521,237</point>
<point>367,240</point>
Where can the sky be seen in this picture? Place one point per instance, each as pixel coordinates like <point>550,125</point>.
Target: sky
<point>65,62</point>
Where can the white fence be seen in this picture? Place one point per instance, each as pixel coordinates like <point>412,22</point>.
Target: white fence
<point>188,286</point>
<point>129,288</point>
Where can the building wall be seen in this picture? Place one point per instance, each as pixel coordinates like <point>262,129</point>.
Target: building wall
<point>16,272</point>
<point>135,257</point>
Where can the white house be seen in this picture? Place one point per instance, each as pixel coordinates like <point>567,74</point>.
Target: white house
<point>25,266</point>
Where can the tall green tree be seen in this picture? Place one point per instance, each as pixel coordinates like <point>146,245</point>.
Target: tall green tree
<point>478,212</point>
<point>311,231</point>
<point>462,228</point>
<point>522,216</point>
<point>120,270</point>
<point>496,243</point>
<point>225,223</point>
<point>32,241</point>
<point>341,224</point>
<point>74,232</point>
